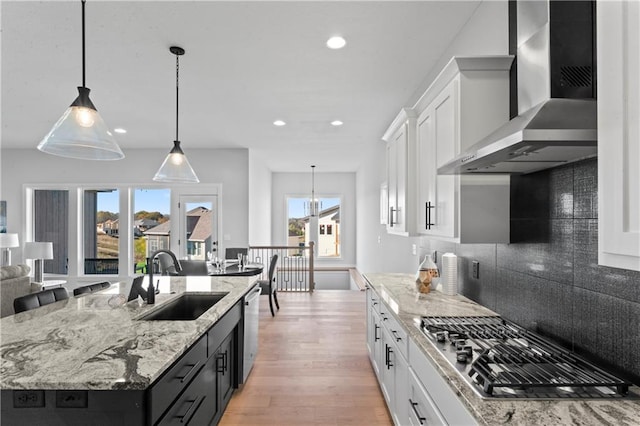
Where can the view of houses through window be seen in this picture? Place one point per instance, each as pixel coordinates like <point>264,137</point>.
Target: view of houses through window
<point>323,229</point>
<point>102,227</point>
<point>151,224</point>
<point>101,231</point>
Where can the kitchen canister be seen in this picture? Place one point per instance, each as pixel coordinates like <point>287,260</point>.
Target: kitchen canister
<point>449,274</point>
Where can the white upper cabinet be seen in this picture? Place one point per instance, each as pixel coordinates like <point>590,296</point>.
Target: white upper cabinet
<point>400,138</point>
<point>468,100</point>
<point>618,47</point>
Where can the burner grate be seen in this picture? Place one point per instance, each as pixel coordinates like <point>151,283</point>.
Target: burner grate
<point>509,361</point>
<point>534,362</point>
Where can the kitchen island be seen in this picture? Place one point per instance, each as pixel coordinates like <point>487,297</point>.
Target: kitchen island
<point>92,357</point>
<point>398,296</point>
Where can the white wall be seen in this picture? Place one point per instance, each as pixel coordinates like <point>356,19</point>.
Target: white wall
<point>326,184</point>
<point>259,201</point>
<point>486,33</point>
<point>228,167</point>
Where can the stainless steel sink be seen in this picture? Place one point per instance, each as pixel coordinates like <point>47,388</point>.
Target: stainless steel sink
<point>186,307</point>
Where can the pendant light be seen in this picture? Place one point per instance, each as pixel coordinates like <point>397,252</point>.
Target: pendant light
<point>176,167</point>
<point>313,204</point>
<point>80,132</point>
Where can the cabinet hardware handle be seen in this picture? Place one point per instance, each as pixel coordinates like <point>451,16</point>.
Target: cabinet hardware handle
<point>384,317</point>
<point>395,334</point>
<point>220,368</point>
<point>188,414</point>
<point>415,410</point>
<point>375,332</point>
<point>191,370</point>
<point>225,362</point>
<point>391,210</point>
<point>427,215</point>
<point>388,356</point>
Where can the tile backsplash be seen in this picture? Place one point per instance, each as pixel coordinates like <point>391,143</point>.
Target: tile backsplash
<point>548,279</point>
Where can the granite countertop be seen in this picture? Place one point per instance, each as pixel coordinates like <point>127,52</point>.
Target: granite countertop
<point>399,293</point>
<point>97,342</point>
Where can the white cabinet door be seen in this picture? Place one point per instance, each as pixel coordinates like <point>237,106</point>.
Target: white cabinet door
<point>619,134</point>
<point>374,332</point>
<point>401,176</point>
<point>444,146</point>
<point>392,184</point>
<point>397,180</point>
<point>394,374</point>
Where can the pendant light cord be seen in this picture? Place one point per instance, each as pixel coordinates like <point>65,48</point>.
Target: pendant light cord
<point>177,91</point>
<point>83,50</point>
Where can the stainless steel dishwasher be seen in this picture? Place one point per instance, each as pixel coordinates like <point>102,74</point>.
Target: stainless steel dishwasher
<point>251,317</point>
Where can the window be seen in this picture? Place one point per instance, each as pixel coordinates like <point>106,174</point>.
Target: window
<point>328,245</point>
<point>199,226</point>
<point>151,224</point>
<point>51,224</point>
<point>117,227</point>
<point>101,221</point>
<point>324,228</point>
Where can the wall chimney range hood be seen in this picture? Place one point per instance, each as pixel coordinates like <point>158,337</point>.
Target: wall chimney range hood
<point>556,90</point>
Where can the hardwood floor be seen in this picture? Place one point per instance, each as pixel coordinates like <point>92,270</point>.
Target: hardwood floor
<point>312,366</point>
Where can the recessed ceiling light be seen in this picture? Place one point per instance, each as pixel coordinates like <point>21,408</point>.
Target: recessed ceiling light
<point>279,123</point>
<point>336,42</point>
<point>337,123</point>
<point>120,130</point>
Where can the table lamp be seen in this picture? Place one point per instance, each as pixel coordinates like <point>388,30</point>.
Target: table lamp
<point>7,241</point>
<point>38,251</point>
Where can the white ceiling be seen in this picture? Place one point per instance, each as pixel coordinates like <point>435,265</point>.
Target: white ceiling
<point>246,65</point>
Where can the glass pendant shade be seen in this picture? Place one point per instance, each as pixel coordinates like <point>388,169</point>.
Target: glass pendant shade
<point>81,133</point>
<point>176,168</point>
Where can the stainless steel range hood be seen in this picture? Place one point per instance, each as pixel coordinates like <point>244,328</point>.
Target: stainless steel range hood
<point>557,121</point>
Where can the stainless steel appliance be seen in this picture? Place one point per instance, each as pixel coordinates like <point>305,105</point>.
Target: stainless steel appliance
<point>555,75</point>
<point>251,322</point>
<point>499,359</point>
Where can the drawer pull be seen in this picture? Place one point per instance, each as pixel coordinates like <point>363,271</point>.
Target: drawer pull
<point>396,335</point>
<point>375,332</point>
<point>384,317</point>
<point>191,370</point>
<point>389,351</point>
<point>188,414</point>
<point>415,411</point>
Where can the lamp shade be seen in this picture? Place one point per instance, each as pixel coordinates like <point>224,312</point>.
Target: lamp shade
<point>9,240</point>
<point>81,133</point>
<point>176,167</point>
<point>38,250</point>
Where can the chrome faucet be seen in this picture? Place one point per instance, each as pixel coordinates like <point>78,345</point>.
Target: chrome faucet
<point>151,292</point>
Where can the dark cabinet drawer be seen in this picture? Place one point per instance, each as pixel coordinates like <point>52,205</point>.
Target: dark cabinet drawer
<point>169,386</point>
<point>198,403</point>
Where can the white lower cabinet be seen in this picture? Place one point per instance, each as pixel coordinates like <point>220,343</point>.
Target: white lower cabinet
<point>394,377</point>
<point>374,332</point>
<point>414,391</point>
<point>441,401</point>
<point>420,409</point>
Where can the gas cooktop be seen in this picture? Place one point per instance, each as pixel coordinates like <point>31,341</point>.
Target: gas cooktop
<point>500,359</point>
